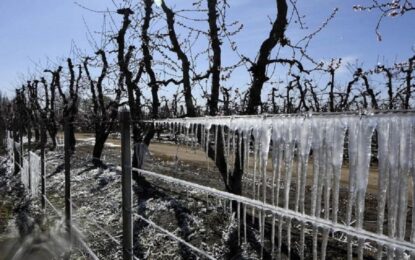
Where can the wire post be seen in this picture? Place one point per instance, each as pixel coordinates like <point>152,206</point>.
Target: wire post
<point>42,166</point>
<point>127,223</point>
<point>68,208</point>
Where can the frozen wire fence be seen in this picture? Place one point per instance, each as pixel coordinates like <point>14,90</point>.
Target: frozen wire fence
<point>98,225</point>
<point>76,231</point>
<point>294,143</point>
<point>289,214</point>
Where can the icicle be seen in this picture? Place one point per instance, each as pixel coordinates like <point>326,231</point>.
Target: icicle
<point>240,138</point>
<point>280,222</point>
<point>393,179</point>
<point>239,222</point>
<point>180,128</point>
<point>228,158</point>
<point>360,243</point>
<point>176,158</point>
<point>304,153</point>
<point>365,134</point>
<point>245,237</point>
<point>273,236</point>
<point>274,170</point>
<point>289,237</point>
<point>216,142</point>
<point>255,167</point>
<point>328,169</point>
<point>202,132</point>
<point>260,223</point>
<point>323,170</point>
<point>315,236</point>
<point>207,146</point>
<point>258,186</point>
<point>173,128</point>
<point>263,217</point>
<point>261,231</point>
<point>353,157</point>
<point>302,240</point>
<point>324,244</point>
<point>325,183</point>
<point>317,148</point>
<point>233,148</point>
<point>288,159</point>
<point>256,143</point>
<point>405,165</point>
<point>337,160</point>
<point>246,152</point>
<point>196,126</point>
<point>360,134</point>
<point>265,139</point>
<point>173,131</point>
<point>412,147</point>
<point>248,141</point>
<point>278,164</point>
<point>188,137</point>
<point>317,144</point>
<point>225,151</point>
<point>197,133</point>
<point>383,152</point>
<point>193,137</point>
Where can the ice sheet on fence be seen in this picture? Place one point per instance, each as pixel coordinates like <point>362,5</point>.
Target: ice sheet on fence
<point>289,139</point>
<point>24,171</point>
<point>35,173</point>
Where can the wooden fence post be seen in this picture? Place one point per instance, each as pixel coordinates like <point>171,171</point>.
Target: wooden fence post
<point>68,208</point>
<point>127,222</point>
<point>42,165</point>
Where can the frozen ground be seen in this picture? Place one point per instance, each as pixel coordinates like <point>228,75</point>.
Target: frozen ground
<point>202,221</point>
<point>96,194</point>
